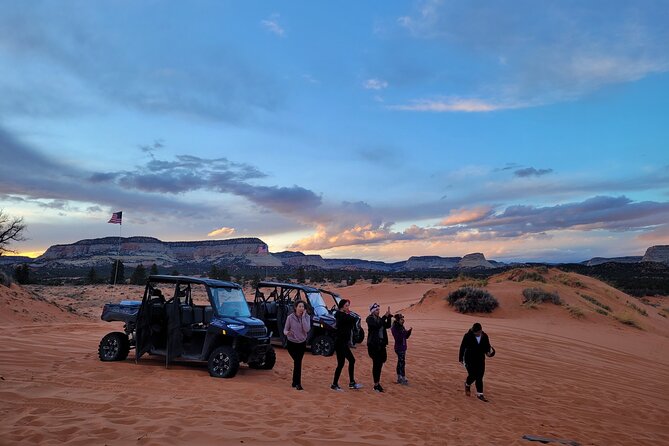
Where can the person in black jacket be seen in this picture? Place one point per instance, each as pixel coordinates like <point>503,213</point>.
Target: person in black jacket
<point>377,340</point>
<point>345,323</point>
<point>474,348</point>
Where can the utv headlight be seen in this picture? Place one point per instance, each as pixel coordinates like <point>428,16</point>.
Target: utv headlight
<point>236,327</point>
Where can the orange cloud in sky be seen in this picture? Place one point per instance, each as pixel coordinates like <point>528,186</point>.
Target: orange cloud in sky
<point>460,216</point>
<point>221,231</point>
<point>353,236</point>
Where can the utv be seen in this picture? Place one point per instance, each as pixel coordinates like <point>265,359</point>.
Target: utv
<point>202,320</point>
<point>273,303</point>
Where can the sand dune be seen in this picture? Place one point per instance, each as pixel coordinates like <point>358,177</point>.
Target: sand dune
<point>593,380</point>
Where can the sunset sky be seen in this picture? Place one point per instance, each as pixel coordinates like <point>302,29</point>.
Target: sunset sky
<point>525,130</point>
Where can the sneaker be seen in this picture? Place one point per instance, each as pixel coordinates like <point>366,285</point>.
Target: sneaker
<point>378,388</point>
<point>335,387</point>
<point>293,385</point>
<point>354,385</point>
<point>405,381</point>
<point>468,389</point>
<point>482,398</point>
<point>299,387</point>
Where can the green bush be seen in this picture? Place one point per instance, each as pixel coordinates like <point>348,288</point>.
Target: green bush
<point>472,300</point>
<point>539,296</point>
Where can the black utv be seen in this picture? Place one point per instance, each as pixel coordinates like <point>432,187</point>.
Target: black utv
<point>192,319</point>
<point>273,302</point>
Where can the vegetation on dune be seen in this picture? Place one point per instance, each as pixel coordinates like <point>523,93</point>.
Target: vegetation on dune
<point>521,275</point>
<point>537,295</point>
<point>636,279</point>
<point>570,281</point>
<point>575,311</point>
<point>627,319</point>
<point>472,300</point>
<point>638,309</point>
<point>594,301</point>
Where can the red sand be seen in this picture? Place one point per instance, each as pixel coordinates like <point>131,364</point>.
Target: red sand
<point>592,380</point>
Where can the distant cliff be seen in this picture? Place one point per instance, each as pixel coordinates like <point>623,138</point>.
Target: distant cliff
<point>148,250</point>
<point>658,253</point>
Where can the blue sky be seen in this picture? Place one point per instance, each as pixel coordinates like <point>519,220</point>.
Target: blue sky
<point>524,130</point>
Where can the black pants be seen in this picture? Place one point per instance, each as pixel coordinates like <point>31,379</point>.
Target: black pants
<point>344,353</point>
<point>379,356</point>
<point>296,351</point>
<point>401,362</point>
<point>475,374</point>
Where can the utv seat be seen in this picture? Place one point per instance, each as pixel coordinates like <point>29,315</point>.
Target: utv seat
<point>208,315</point>
<point>187,315</point>
<point>198,315</point>
<point>270,310</point>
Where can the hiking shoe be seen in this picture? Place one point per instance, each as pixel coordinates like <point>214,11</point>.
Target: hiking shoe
<point>482,398</point>
<point>405,381</point>
<point>299,387</point>
<point>354,385</point>
<point>378,388</point>
<point>468,389</point>
<point>335,387</point>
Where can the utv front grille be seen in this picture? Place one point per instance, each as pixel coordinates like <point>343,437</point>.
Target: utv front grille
<point>257,332</point>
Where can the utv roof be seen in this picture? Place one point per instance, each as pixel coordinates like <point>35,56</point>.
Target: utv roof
<point>295,286</point>
<point>190,279</point>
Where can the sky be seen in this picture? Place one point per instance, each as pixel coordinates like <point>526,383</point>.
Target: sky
<point>524,130</point>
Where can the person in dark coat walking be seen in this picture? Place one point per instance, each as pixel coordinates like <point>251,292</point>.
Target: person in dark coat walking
<point>345,323</point>
<point>377,340</point>
<point>474,348</point>
<point>401,335</point>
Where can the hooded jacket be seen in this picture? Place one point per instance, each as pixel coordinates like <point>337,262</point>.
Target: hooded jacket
<point>473,352</point>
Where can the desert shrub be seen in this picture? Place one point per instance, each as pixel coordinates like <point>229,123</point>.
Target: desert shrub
<point>520,275</point>
<point>575,311</point>
<point>570,281</point>
<point>539,296</point>
<point>594,301</point>
<point>627,319</point>
<point>602,311</point>
<point>662,314</point>
<point>476,283</point>
<point>638,309</point>
<point>472,300</point>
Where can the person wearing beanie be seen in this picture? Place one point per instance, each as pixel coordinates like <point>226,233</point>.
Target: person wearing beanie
<point>377,340</point>
<point>474,348</point>
<point>345,323</point>
<point>400,334</point>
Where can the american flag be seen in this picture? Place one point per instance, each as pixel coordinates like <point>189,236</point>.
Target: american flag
<point>116,217</point>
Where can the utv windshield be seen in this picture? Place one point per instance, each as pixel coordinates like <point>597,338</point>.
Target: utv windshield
<point>318,304</point>
<point>230,302</point>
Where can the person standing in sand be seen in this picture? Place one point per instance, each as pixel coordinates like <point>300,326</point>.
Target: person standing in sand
<point>400,334</point>
<point>475,346</point>
<point>296,330</point>
<point>345,323</point>
<point>377,340</point>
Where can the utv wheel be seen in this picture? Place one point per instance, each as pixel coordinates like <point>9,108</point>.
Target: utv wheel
<point>322,345</point>
<point>359,336</point>
<point>267,363</point>
<point>114,347</point>
<point>223,362</point>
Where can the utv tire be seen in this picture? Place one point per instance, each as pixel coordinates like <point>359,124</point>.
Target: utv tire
<point>267,363</point>
<point>359,336</point>
<point>322,345</point>
<point>114,347</point>
<point>223,362</point>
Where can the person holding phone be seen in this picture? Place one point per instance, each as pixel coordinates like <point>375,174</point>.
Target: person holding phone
<point>377,340</point>
<point>296,330</point>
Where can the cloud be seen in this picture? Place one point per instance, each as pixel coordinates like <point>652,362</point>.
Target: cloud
<point>375,84</point>
<point>72,65</point>
<point>453,105</point>
<point>225,232</point>
<point>617,214</point>
<point>531,172</point>
<point>271,24</point>
<point>461,216</point>
<point>550,51</point>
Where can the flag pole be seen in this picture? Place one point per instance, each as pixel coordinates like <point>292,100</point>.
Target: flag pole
<point>118,252</point>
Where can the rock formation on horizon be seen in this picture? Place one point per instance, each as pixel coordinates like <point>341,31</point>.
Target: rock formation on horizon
<point>657,253</point>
